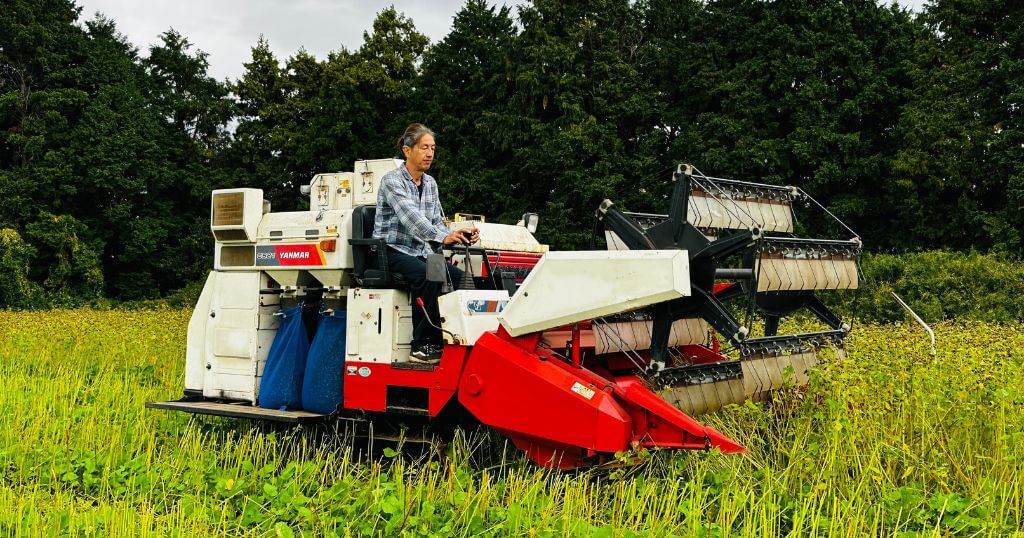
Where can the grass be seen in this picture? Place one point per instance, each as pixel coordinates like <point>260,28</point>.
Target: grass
<point>886,441</point>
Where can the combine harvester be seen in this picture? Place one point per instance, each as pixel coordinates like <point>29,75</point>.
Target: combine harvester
<point>573,356</point>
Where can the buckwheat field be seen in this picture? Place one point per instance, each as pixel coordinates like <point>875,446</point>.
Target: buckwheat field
<point>886,440</point>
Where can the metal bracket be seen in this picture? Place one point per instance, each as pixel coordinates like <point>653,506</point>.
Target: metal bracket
<point>931,333</point>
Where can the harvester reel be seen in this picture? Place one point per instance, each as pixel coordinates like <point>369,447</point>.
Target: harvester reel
<point>716,220</point>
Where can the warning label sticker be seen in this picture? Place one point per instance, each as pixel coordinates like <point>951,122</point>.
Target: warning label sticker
<point>582,390</point>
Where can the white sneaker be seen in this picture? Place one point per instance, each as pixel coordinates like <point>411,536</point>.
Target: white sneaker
<point>426,354</point>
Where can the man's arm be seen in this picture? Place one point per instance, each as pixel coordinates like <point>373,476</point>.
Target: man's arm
<point>408,211</point>
<point>465,236</point>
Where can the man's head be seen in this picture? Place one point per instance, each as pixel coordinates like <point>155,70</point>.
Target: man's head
<point>417,145</point>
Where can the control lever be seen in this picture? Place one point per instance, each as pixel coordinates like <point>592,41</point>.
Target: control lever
<point>467,282</point>
<point>426,315</point>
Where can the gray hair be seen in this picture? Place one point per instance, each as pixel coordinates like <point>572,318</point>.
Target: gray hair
<point>413,133</point>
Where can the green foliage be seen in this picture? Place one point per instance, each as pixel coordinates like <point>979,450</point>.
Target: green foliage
<point>118,148</point>
<point>959,167</point>
<point>885,441</point>
<point>939,285</point>
<point>16,290</point>
<point>72,267</point>
<point>794,92</point>
<point>464,76</point>
<point>907,127</point>
<point>577,143</point>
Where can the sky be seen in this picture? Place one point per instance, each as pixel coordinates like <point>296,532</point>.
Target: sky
<point>227,29</point>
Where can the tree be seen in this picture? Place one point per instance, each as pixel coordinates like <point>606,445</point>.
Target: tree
<point>385,71</point>
<point>259,95</point>
<point>42,53</point>
<point>16,289</point>
<point>465,88</point>
<point>960,154</point>
<point>314,116</point>
<point>70,268</point>
<point>788,92</point>
<point>107,154</point>
<point>580,113</point>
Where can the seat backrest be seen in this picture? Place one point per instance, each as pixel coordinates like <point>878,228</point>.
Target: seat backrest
<point>368,258</point>
<point>363,257</point>
<point>362,221</point>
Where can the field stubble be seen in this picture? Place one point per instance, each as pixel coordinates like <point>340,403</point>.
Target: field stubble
<point>886,441</point>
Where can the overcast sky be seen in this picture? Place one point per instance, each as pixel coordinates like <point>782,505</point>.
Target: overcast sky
<point>227,29</point>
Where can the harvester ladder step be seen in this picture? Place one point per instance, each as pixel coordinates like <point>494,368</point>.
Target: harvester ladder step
<point>238,410</point>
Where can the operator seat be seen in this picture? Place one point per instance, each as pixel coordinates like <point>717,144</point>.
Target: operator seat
<point>370,255</point>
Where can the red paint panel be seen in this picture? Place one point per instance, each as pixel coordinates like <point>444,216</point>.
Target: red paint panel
<point>508,260</point>
<point>369,392</point>
<point>516,391</point>
<point>660,424</point>
<point>514,257</point>
<point>298,255</point>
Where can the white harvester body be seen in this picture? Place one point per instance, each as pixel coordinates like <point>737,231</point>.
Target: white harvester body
<point>262,257</point>
<point>561,352</point>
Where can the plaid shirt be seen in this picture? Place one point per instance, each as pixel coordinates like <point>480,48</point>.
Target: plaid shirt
<point>405,220</point>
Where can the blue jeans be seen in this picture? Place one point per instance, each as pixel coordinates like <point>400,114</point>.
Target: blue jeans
<point>414,270</point>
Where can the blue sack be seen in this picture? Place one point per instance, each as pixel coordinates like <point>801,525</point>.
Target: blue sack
<point>281,386</point>
<point>322,383</point>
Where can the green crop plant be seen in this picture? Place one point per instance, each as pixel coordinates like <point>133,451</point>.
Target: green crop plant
<point>886,440</point>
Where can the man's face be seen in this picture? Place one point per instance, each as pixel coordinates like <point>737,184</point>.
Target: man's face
<point>421,154</point>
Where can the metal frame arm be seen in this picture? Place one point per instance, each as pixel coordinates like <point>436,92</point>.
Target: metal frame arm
<point>824,313</point>
<point>727,245</point>
<point>628,231</point>
<point>680,201</point>
<point>715,313</point>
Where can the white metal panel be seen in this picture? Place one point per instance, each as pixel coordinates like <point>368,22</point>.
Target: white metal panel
<point>264,339</point>
<point>566,287</point>
<point>331,191</point>
<point>379,325</point>
<point>251,215</point>
<point>240,317</point>
<point>268,321</point>
<point>461,315</point>
<point>367,175</point>
<point>231,344</point>
<point>235,366</point>
<point>502,236</point>
<point>289,228</point>
<point>269,324</point>
<point>195,350</point>
<point>401,341</point>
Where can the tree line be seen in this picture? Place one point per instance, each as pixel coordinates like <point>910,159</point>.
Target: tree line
<point>907,126</point>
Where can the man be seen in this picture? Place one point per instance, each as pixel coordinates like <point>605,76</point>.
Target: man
<point>409,220</point>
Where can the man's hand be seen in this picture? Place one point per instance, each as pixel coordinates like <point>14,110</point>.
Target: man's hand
<point>463,236</point>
